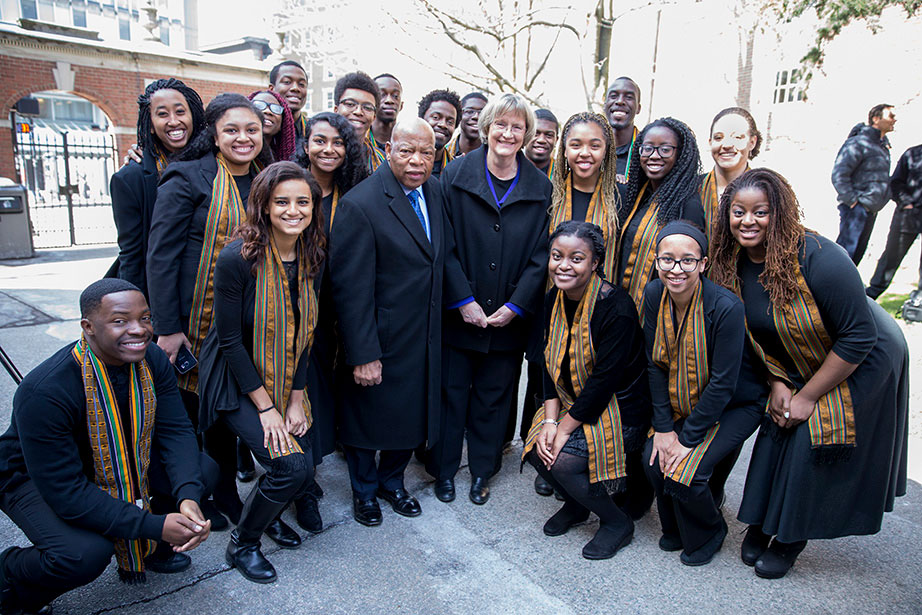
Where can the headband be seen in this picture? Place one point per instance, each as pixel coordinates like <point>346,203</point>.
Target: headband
<point>681,227</point>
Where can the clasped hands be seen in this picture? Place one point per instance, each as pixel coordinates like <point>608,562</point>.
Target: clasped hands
<point>787,408</point>
<point>670,451</point>
<point>186,529</point>
<point>473,314</point>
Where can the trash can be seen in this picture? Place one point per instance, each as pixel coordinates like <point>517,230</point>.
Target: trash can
<point>15,230</point>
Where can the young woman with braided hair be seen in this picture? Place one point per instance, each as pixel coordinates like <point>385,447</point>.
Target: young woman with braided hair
<point>662,186</point>
<point>170,116</point>
<point>830,455</point>
<point>279,135</point>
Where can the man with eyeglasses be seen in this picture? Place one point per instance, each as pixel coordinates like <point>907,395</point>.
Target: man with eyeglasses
<point>622,102</point>
<point>357,97</point>
<point>467,138</point>
<point>391,104</point>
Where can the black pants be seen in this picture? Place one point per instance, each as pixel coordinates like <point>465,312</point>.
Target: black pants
<point>64,556</point>
<point>534,393</point>
<point>477,392</point>
<point>855,226</point>
<point>904,228</point>
<point>366,475</point>
<point>283,481</point>
<point>695,517</point>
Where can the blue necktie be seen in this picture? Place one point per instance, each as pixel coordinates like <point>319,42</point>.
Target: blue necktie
<point>413,195</point>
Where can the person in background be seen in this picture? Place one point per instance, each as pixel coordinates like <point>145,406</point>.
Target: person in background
<point>906,187</point>
<point>289,80</point>
<point>496,204</point>
<point>861,177</point>
<point>357,97</point>
<point>622,103</point>
<point>734,141</point>
<point>441,109</point>
<point>279,135</point>
<point>386,262</point>
<point>467,138</point>
<point>540,150</point>
<point>830,455</point>
<point>78,491</point>
<point>391,105</point>
<point>170,116</point>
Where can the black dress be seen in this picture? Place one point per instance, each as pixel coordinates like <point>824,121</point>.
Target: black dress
<point>786,492</point>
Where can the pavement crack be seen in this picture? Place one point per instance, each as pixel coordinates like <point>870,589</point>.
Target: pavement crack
<point>195,581</point>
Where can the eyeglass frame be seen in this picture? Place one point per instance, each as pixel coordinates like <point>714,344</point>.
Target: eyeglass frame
<point>262,105</point>
<point>349,105</point>
<point>666,269</point>
<point>656,148</point>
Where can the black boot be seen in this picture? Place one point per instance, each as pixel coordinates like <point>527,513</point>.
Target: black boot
<point>307,513</point>
<point>246,468</point>
<point>243,549</point>
<point>778,558</point>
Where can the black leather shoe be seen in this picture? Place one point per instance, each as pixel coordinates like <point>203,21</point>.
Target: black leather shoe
<point>315,490</point>
<point>559,496</point>
<point>606,542</point>
<point>166,561</point>
<point>480,492</point>
<point>670,542</point>
<point>249,560</point>
<point>778,559</point>
<point>308,514</point>
<point>219,522</point>
<point>754,545</point>
<point>706,552</point>
<point>282,534</point>
<point>542,487</point>
<point>366,512</point>
<point>246,476</point>
<point>401,501</point>
<point>445,489</point>
<point>569,515</point>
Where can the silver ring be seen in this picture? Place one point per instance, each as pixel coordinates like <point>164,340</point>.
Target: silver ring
<point>787,415</point>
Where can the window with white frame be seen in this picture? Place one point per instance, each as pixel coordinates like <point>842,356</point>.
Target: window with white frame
<point>788,86</point>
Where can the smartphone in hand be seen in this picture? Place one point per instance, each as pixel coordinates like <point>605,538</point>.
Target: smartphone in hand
<point>185,360</point>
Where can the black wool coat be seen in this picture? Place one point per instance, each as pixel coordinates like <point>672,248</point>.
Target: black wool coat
<point>497,255</point>
<point>134,192</point>
<point>387,288</point>
<point>177,234</point>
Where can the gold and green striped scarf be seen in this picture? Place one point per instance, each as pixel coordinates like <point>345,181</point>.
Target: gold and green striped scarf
<point>160,161</point>
<point>114,445</point>
<point>452,147</point>
<point>333,205</point>
<point>605,440</point>
<point>683,354</point>
<point>800,327</point>
<point>639,268</point>
<point>276,350</point>
<point>597,214</point>
<point>550,169</point>
<point>301,124</point>
<point>225,213</point>
<point>375,157</point>
<point>446,157</point>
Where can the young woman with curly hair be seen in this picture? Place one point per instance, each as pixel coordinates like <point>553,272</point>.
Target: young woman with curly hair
<point>279,135</point>
<point>662,186</point>
<point>254,360</point>
<point>830,455</point>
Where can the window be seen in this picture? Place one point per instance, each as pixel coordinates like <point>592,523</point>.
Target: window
<point>165,31</point>
<point>78,11</point>
<point>29,9</point>
<point>788,87</point>
<point>124,26</point>
<point>307,102</point>
<point>328,96</point>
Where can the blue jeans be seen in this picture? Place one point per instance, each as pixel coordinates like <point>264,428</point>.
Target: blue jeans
<point>855,226</point>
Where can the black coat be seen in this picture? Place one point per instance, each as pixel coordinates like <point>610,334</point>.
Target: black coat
<point>177,234</point>
<point>497,255</point>
<point>134,192</point>
<point>387,287</point>
<point>862,169</point>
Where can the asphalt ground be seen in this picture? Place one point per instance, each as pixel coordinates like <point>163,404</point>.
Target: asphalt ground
<point>462,558</point>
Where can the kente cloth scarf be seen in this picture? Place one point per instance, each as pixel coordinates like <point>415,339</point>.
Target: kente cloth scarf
<point>225,213</point>
<point>550,170</point>
<point>161,162</point>
<point>301,124</point>
<point>375,157</point>
<point>639,268</point>
<point>114,445</point>
<point>333,205</point>
<point>683,354</point>
<point>276,348</point>
<point>710,200</point>
<point>801,330</point>
<point>453,147</point>
<point>446,157</point>
<point>597,214</point>
<point>606,447</point>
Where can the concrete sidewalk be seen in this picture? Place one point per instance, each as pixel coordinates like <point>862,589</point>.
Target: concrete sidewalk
<point>461,558</point>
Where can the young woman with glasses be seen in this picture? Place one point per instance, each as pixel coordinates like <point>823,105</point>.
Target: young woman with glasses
<point>279,135</point>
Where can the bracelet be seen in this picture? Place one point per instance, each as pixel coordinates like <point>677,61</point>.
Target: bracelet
<point>550,422</point>
<point>265,409</point>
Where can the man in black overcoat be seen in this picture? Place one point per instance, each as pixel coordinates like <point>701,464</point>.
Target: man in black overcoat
<point>386,259</point>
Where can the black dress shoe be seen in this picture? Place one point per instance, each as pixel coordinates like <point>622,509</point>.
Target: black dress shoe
<point>542,487</point>
<point>754,545</point>
<point>249,560</point>
<point>559,496</point>
<point>164,560</point>
<point>282,535</point>
<point>706,552</point>
<point>245,476</point>
<point>670,542</point>
<point>607,541</point>
<point>308,514</point>
<point>778,559</point>
<point>569,515</point>
<point>219,522</point>
<point>366,512</point>
<point>480,492</point>
<point>401,501</point>
<point>445,489</point>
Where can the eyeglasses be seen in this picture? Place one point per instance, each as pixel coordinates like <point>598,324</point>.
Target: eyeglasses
<point>349,106</point>
<point>667,263</point>
<point>272,107</point>
<point>665,151</point>
<point>516,129</point>
<point>470,112</point>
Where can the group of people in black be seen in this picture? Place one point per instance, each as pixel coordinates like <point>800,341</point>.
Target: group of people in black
<point>289,285</point>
